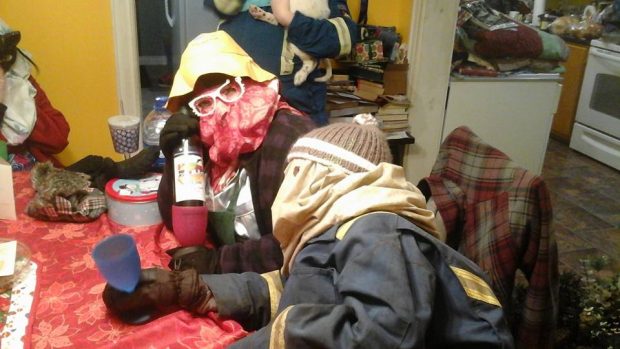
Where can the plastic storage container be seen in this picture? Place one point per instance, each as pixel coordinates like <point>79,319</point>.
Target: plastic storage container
<point>133,202</point>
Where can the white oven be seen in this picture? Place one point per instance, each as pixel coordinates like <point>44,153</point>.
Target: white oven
<point>596,132</point>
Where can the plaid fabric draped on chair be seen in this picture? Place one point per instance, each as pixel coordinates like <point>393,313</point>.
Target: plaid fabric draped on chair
<point>499,215</point>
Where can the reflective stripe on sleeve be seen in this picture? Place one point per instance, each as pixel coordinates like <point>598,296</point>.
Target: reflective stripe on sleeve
<point>475,287</point>
<point>277,330</point>
<point>274,283</point>
<point>343,35</point>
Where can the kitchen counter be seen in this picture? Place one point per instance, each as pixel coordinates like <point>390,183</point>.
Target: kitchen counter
<point>510,77</point>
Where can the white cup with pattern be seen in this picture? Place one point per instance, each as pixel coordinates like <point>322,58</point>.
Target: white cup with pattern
<point>125,132</point>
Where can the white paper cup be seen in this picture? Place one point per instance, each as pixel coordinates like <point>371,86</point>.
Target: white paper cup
<point>125,132</point>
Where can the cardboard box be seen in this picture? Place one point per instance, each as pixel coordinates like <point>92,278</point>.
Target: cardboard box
<point>7,197</point>
<point>395,79</point>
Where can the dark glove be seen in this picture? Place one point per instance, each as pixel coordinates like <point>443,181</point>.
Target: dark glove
<point>199,258</point>
<point>100,169</point>
<point>160,292</point>
<point>177,127</point>
<point>137,165</point>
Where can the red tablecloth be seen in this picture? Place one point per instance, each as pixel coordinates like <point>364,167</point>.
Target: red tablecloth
<point>68,311</point>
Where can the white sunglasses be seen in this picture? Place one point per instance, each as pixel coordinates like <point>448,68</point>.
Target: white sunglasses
<point>228,92</point>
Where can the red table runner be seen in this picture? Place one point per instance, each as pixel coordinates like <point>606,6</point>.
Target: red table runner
<point>68,311</point>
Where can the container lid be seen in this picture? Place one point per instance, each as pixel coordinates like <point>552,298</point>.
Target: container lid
<point>160,102</point>
<point>134,190</point>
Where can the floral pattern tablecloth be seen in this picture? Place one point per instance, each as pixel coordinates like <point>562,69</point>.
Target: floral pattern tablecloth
<point>68,311</point>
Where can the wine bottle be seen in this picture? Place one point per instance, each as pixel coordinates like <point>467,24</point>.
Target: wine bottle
<point>189,174</point>
<point>189,213</point>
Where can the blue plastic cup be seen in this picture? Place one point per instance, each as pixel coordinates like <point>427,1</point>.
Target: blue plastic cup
<point>118,261</point>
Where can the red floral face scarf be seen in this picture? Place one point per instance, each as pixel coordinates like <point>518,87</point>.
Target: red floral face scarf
<point>234,119</point>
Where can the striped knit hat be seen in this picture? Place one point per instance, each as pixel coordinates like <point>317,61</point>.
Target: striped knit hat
<point>354,147</point>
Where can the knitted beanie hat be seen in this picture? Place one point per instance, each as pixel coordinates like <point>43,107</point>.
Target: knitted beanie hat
<point>354,147</point>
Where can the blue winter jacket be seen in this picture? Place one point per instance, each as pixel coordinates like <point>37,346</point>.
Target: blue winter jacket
<point>377,281</point>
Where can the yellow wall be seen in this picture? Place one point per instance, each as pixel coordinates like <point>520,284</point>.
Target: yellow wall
<point>387,12</point>
<point>72,43</point>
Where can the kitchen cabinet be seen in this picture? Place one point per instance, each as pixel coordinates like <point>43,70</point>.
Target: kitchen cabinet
<point>512,114</point>
<point>564,118</point>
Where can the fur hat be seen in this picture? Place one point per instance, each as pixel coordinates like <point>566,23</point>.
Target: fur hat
<point>354,147</point>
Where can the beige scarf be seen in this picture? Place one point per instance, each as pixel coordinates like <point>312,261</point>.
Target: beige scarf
<point>314,197</point>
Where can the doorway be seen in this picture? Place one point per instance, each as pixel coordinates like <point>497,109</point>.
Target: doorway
<point>165,27</point>
<point>154,23</point>
<point>150,36</point>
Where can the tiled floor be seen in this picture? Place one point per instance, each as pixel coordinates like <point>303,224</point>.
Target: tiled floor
<point>585,195</point>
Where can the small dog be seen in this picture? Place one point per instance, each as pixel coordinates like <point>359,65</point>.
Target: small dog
<point>317,9</point>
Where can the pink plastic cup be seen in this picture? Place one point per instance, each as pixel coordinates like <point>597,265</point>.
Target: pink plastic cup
<point>189,224</point>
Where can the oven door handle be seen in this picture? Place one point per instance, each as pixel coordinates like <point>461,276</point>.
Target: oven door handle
<point>600,54</point>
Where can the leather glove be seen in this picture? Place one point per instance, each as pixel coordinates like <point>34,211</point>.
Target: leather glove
<point>160,292</point>
<point>137,165</point>
<point>177,127</point>
<point>101,169</point>
<point>199,258</point>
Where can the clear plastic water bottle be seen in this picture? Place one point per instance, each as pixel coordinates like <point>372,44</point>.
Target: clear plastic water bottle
<point>153,124</point>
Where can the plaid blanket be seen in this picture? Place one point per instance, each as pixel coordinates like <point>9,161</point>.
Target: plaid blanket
<point>80,207</point>
<point>64,195</point>
<point>499,215</point>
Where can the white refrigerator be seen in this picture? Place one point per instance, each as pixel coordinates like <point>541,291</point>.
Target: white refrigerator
<point>188,18</point>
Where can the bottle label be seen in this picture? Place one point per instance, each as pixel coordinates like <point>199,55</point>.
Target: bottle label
<point>189,177</point>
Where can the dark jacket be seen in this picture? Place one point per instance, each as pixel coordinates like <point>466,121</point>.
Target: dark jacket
<point>265,168</point>
<point>377,281</point>
<point>319,38</point>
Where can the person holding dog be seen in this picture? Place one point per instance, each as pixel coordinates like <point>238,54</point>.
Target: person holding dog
<point>267,45</point>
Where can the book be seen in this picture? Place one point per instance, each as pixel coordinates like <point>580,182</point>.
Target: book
<point>392,117</point>
<point>333,120</point>
<point>345,95</point>
<point>392,110</point>
<point>371,73</point>
<point>339,77</point>
<point>368,90</point>
<point>366,94</point>
<point>339,103</point>
<point>370,86</point>
<point>394,130</point>
<point>341,88</point>
<point>392,126</point>
<point>345,100</point>
<point>398,135</point>
<point>352,111</point>
<point>340,82</point>
<point>396,99</point>
<point>395,124</point>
